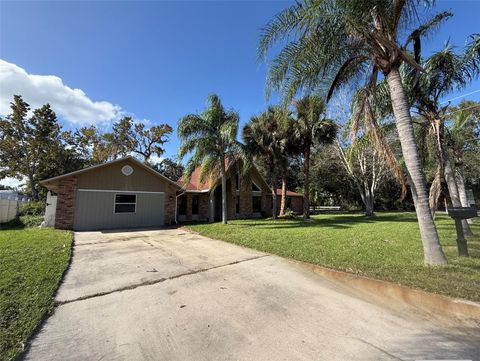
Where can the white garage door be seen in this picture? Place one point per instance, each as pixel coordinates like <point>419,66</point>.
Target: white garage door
<point>110,209</point>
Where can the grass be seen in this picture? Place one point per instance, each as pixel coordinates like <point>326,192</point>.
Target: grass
<point>386,247</point>
<point>32,262</point>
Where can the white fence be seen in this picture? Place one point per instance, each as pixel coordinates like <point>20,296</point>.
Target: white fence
<point>8,209</point>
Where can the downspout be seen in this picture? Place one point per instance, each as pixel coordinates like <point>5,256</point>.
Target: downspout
<point>176,205</point>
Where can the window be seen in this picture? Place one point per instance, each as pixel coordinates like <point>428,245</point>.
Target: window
<point>182,205</point>
<point>237,180</point>
<point>195,204</point>
<point>125,203</point>
<point>289,203</point>
<point>256,204</point>
<point>255,188</point>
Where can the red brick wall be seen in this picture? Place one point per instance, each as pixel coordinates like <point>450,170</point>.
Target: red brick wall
<point>203,207</point>
<point>297,205</point>
<point>170,195</point>
<point>65,213</point>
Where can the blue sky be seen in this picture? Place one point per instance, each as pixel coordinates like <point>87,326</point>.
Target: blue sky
<point>157,60</point>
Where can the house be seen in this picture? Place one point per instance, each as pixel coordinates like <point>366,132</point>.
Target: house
<point>126,193</point>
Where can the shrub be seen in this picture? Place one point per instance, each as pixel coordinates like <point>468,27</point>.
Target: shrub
<point>31,221</point>
<point>32,208</point>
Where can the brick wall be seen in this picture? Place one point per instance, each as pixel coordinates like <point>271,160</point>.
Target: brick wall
<point>170,195</point>
<point>297,205</point>
<point>203,207</point>
<point>65,213</point>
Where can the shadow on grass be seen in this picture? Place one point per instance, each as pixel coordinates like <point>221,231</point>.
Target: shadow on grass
<point>331,221</point>
<point>15,223</point>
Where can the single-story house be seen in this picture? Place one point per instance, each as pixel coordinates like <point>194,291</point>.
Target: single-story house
<point>126,193</point>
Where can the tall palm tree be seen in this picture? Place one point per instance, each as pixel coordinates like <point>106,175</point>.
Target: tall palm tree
<point>334,42</point>
<point>311,128</point>
<point>461,138</point>
<point>444,71</point>
<point>266,139</point>
<point>212,138</point>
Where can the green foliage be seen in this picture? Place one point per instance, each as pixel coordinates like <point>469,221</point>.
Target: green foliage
<point>33,147</point>
<point>32,208</point>
<point>268,139</point>
<point>170,168</point>
<point>33,261</point>
<point>386,247</point>
<point>210,136</point>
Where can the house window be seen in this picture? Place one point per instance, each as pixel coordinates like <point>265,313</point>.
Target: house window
<point>182,205</point>
<point>256,204</point>
<point>237,180</point>
<point>125,203</point>
<point>195,204</point>
<point>255,188</point>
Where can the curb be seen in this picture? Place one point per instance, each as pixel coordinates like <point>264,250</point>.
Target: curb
<point>425,301</point>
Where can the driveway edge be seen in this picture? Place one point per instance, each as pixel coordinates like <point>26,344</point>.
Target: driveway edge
<point>422,300</point>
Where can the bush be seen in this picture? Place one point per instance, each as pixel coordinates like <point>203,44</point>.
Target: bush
<point>31,221</point>
<point>32,208</point>
<point>27,221</point>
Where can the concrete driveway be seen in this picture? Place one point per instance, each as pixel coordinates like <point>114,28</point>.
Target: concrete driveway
<point>173,295</point>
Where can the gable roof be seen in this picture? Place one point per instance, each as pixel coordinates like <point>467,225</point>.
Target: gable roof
<point>48,181</point>
<point>196,185</point>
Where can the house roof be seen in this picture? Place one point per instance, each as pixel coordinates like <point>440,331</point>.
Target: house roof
<point>49,181</point>
<point>289,193</point>
<point>196,185</point>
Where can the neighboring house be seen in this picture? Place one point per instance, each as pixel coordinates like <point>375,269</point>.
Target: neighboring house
<point>126,193</point>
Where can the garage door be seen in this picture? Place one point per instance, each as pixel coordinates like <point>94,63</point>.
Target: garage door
<point>101,209</point>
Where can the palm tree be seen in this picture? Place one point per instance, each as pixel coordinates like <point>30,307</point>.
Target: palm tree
<point>334,42</point>
<point>311,128</point>
<point>461,137</point>
<point>444,71</point>
<point>266,139</point>
<point>212,138</point>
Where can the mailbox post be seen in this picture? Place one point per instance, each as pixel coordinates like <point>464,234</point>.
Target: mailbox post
<point>459,213</point>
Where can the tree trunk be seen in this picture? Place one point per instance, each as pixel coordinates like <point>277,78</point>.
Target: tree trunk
<point>284,196</point>
<point>33,189</point>
<point>449,175</point>
<point>461,186</point>
<point>369,204</point>
<point>435,191</point>
<point>433,253</point>
<point>224,191</point>
<point>306,184</point>
<point>274,199</point>
<point>453,191</point>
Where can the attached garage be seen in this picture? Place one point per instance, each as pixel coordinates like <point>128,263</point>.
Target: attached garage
<point>124,193</point>
<point>99,209</point>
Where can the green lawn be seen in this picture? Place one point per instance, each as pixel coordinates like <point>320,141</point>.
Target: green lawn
<point>387,247</point>
<point>32,261</point>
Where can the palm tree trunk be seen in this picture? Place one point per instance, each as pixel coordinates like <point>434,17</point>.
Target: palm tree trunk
<point>453,190</point>
<point>284,196</point>
<point>433,253</point>
<point>274,199</point>
<point>461,186</point>
<point>306,184</point>
<point>447,168</point>
<point>224,190</point>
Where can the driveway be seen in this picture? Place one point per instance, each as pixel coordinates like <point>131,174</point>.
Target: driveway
<point>174,295</point>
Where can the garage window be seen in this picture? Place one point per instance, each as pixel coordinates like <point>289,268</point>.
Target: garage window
<point>125,203</point>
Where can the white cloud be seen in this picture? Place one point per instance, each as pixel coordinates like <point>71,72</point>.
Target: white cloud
<point>12,182</point>
<point>70,104</point>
